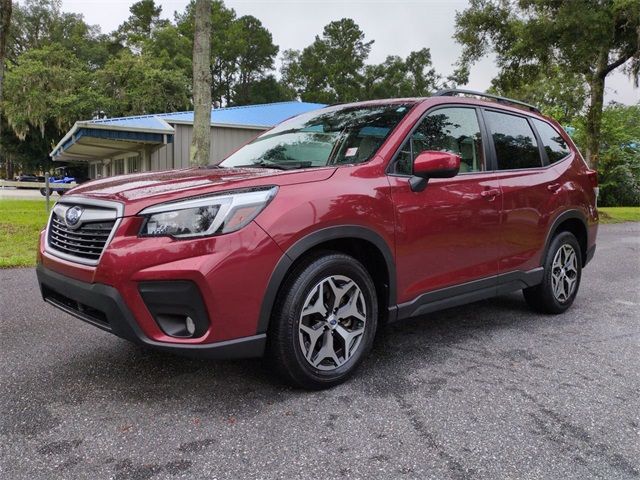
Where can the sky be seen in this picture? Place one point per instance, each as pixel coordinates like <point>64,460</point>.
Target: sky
<point>397,26</point>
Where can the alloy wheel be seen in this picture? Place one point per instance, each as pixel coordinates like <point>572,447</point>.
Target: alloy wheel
<point>564,273</point>
<point>332,322</point>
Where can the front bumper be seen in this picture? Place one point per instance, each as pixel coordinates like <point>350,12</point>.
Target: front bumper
<point>102,306</point>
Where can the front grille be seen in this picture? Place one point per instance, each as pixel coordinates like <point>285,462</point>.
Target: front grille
<point>88,241</point>
<point>84,241</point>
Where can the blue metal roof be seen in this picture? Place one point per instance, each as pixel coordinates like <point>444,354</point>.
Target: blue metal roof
<point>261,116</point>
<point>157,127</point>
<point>146,122</point>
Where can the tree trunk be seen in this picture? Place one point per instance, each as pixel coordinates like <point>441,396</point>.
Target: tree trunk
<point>5,21</point>
<point>201,143</point>
<point>594,113</point>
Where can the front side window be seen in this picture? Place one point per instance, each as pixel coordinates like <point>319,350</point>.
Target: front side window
<point>552,141</point>
<point>334,136</point>
<point>454,130</point>
<point>515,143</point>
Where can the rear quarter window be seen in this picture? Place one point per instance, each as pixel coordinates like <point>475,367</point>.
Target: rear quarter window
<point>552,142</point>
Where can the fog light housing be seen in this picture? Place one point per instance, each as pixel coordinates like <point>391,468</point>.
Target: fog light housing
<point>177,307</point>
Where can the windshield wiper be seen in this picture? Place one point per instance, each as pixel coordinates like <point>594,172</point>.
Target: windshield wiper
<point>278,166</point>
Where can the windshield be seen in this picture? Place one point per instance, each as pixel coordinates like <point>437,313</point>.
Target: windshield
<point>334,136</point>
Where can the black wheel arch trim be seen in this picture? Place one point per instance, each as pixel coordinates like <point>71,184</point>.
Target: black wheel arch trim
<point>299,248</point>
<point>566,215</point>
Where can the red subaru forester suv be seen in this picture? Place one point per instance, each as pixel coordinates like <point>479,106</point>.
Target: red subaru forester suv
<point>302,242</point>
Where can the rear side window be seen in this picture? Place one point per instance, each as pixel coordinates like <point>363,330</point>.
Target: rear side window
<point>515,143</point>
<point>552,141</point>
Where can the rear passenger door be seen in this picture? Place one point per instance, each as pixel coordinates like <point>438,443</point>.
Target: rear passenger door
<point>528,188</point>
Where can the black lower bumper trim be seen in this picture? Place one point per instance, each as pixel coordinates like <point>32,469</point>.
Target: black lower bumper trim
<point>103,306</point>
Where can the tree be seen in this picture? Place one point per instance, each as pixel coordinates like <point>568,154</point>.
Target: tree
<point>331,69</point>
<point>559,93</point>
<point>200,144</point>
<point>267,90</point>
<point>143,21</point>
<point>39,23</point>
<point>51,59</point>
<point>170,49</point>
<point>413,77</point>
<point>5,22</point>
<point>48,91</point>
<point>242,52</point>
<point>140,84</point>
<point>45,94</point>
<point>255,56</point>
<point>619,172</point>
<point>591,39</point>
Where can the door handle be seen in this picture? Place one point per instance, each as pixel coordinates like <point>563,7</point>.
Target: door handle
<point>553,187</point>
<point>490,194</point>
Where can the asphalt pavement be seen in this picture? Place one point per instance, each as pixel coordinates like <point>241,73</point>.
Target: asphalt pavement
<point>489,390</point>
<point>24,194</point>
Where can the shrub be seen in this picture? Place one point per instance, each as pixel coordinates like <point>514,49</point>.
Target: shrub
<point>619,176</point>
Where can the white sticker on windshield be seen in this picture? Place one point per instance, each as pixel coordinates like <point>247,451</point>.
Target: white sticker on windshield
<point>351,152</point>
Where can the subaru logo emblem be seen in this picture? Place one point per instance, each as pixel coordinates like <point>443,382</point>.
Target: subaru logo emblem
<point>72,217</point>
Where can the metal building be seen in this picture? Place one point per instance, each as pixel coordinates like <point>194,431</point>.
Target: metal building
<point>142,143</point>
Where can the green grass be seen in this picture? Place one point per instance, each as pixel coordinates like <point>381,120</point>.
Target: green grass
<point>20,225</point>
<point>619,214</point>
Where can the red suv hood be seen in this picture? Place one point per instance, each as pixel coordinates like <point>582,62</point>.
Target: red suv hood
<point>140,190</point>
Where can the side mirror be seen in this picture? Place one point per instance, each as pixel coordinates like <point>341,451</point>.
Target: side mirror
<point>432,164</point>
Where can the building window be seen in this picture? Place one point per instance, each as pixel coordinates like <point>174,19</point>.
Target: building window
<point>134,164</point>
<point>118,166</point>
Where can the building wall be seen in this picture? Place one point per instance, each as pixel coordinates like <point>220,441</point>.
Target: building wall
<point>162,158</point>
<point>176,154</point>
<point>223,142</point>
<point>227,140</point>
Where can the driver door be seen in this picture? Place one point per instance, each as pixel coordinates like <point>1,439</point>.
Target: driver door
<point>449,233</point>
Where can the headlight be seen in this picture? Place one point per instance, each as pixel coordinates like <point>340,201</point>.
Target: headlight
<point>199,217</point>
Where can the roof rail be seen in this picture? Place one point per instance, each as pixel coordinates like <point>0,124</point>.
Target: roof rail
<point>450,92</point>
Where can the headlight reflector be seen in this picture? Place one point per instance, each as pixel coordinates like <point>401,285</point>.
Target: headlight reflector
<point>199,217</point>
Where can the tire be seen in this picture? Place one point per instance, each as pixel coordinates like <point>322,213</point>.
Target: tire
<point>43,192</point>
<point>543,298</point>
<point>299,345</point>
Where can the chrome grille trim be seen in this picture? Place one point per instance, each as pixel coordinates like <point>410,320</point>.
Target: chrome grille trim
<point>85,242</point>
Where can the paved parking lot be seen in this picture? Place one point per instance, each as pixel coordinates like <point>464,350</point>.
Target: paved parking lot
<point>24,194</point>
<point>488,390</point>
